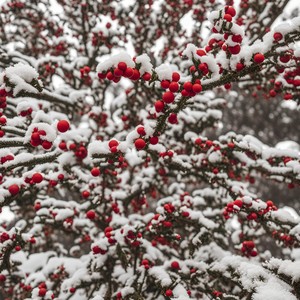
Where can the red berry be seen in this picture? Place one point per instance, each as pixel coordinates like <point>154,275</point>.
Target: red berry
<point>239,66</point>
<point>140,144</point>
<point>153,140</point>
<point>201,52</point>
<point>2,120</point>
<point>238,203</point>
<point>97,250</point>
<point>141,130</point>
<point>95,172</point>
<point>230,10</point>
<point>258,58</point>
<point>159,106</point>
<point>175,265</point>
<point>237,38</point>
<point>227,17</point>
<point>35,136</point>
<point>174,86</point>
<point>188,86</point>
<point>37,177</point>
<point>272,93</point>
<point>37,206</point>
<point>85,194</point>
<point>14,189</point>
<point>165,84</point>
<point>136,75</point>
<point>42,292</point>
<point>197,88</point>
<point>175,76</point>
<point>234,49</point>
<point>46,145</point>
<point>118,72</point>
<point>277,36</point>
<point>2,277</point>
<point>122,66</point>
<point>72,290</point>
<point>227,86</point>
<point>169,293</point>
<point>63,125</point>
<point>168,97</point>
<point>128,72</point>
<point>147,76</point>
<point>91,214</point>
<point>173,118</point>
<point>113,143</point>
<point>284,58</point>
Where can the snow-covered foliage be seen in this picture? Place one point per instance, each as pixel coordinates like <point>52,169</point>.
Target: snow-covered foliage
<point>117,188</point>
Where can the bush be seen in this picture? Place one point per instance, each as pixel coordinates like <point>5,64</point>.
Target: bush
<point>115,180</point>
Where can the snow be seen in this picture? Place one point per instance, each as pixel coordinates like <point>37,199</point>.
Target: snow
<point>164,71</point>
<point>272,290</point>
<point>161,275</point>
<point>145,62</point>
<point>114,60</point>
<point>21,76</point>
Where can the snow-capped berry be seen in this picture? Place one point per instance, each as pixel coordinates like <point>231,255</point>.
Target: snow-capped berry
<point>140,144</point>
<point>37,177</point>
<point>63,126</point>
<point>91,214</point>
<point>14,189</point>
<point>258,58</point>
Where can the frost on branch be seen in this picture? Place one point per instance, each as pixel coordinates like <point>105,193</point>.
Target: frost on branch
<point>116,179</point>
